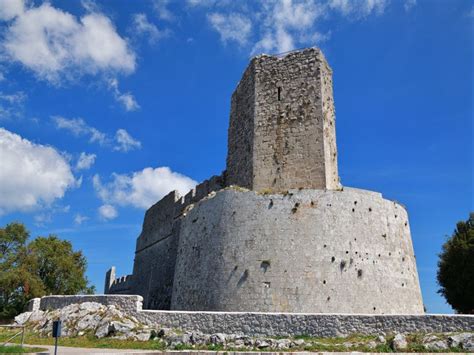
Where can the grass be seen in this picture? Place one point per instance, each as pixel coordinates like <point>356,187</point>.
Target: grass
<point>16,349</point>
<point>360,343</point>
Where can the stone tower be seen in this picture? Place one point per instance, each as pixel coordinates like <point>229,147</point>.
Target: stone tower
<point>282,125</point>
<point>294,241</point>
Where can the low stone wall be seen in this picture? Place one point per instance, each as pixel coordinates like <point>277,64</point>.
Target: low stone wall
<point>128,303</point>
<point>272,324</point>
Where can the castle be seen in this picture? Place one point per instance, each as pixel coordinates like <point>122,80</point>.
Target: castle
<point>276,232</point>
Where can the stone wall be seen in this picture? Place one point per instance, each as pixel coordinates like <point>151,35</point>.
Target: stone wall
<point>282,125</point>
<point>306,251</point>
<point>240,142</point>
<point>273,324</point>
<point>156,248</point>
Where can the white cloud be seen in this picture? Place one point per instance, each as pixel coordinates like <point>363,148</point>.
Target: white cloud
<point>78,127</point>
<point>79,219</point>
<point>288,24</point>
<point>231,27</point>
<point>125,142</point>
<point>143,27</point>
<point>161,8</point>
<point>10,9</point>
<point>122,141</point>
<point>31,175</point>
<point>126,99</point>
<point>359,8</point>
<point>108,212</point>
<point>56,45</point>
<point>85,161</point>
<point>142,188</point>
<point>409,4</point>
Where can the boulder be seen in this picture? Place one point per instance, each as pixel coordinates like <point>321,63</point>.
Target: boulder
<point>399,342</point>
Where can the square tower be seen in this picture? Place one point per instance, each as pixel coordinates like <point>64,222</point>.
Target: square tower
<point>282,125</point>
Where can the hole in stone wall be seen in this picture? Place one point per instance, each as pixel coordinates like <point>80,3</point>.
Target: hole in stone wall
<point>279,93</point>
<point>264,265</point>
<point>353,210</point>
<point>396,216</point>
<point>374,308</point>
<point>359,273</point>
<point>406,224</point>
<point>270,205</point>
<point>355,202</point>
<point>243,278</point>
<point>370,209</point>
<point>403,259</point>
<point>351,261</point>
<point>312,203</point>
<point>194,220</point>
<point>342,265</point>
<point>347,252</point>
<point>295,208</point>
<point>266,284</point>
<point>389,254</point>
<point>403,285</point>
<point>324,282</point>
<point>328,299</point>
<point>324,246</point>
<point>384,235</point>
<point>333,259</point>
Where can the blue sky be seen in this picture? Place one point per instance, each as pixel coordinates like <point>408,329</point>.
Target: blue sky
<point>106,106</point>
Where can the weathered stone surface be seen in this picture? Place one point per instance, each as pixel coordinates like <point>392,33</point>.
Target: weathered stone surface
<point>282,124</point>
<point>309,251</point>
<point>399,342</point>
<point>314,250</point>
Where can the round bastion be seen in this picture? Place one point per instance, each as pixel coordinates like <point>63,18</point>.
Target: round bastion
<point>308,251</point>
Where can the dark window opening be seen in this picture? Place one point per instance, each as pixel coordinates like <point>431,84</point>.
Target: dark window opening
<point>279,93</point>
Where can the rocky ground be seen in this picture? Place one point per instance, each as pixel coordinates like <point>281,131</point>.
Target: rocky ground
<point>99,321</point>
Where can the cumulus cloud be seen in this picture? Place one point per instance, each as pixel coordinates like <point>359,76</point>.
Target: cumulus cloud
<point>231,27</point>
<point>85,161</point>
<point>125,142</point>
<point>122,141</point>
<point>127,100</point>
<point>31,175</point>
<point>143,188</point>
<point>108,212</point>
<point>143,27</point>
<point>55,44</point>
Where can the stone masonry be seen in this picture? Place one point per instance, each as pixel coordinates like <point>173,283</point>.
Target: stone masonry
<point>276,232</point>
<point>282,125</point>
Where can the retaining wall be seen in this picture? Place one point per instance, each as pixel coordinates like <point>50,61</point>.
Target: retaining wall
<point>273,324</point>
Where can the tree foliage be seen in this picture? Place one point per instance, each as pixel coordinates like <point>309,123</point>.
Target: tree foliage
<point>46,265</point>
<point>456,268</point>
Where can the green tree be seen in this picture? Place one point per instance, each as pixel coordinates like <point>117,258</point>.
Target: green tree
<point>46,265</point>
<point>456,268</point>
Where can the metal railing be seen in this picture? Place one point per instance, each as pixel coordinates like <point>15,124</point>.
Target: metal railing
<point>22,333</point>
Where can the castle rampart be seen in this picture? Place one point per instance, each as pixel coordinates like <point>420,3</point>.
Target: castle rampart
<point>276,232</point>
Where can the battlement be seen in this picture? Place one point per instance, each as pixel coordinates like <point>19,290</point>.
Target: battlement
<point>282,124</point>
<point>159,218</point>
